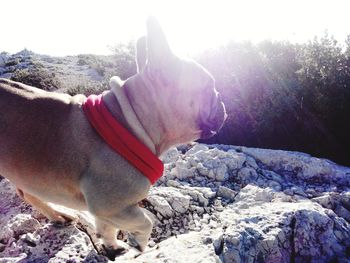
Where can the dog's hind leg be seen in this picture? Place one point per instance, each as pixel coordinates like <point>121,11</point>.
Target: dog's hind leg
<point>44,208</point>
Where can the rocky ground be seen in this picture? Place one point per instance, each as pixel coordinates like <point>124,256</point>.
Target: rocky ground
<point>213,204</point>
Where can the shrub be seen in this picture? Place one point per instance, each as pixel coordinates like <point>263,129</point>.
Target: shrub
<point>86,89</point>
<point>285,96</point>
<point>12,62</point>
<point>121,63</point>
<point>37,77</point>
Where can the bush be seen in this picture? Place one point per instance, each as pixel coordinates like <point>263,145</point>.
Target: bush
<point>121,64</point>
<point>12,62</point>
<point>285,96</point>
<point>37,77</point>
<point>86,89</point>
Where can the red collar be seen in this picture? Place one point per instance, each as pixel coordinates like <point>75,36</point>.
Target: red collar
<point>121,140</point>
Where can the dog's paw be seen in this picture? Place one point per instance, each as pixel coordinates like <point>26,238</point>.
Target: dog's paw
<point>111,252</point>
<point>60,219</point>
<point>134,243</point>
<point>122,235</point>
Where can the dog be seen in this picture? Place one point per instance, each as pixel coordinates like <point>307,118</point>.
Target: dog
<point>50,151</point>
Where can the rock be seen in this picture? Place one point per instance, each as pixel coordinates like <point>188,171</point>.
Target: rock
<point>247,175</point>
<point>18,225</point>
<point>188,246</point>
<point>14,259</point>
<point>235,160</point>
<point>152,243</point>
<point>252,163</point>
<point>173,183</point>
<point>30,239</point>
<point>301,166</point>
<point>272,176</point>
<point>199,194</point>
<point>221,173</point>
<point>196,148</point>
<point>183,170</point>
<point>253,194</point>
<point>226,193</point>
<point>275,186</point>
<point>284,227</point>
<point>161,205</point>
<point>215,203</point>
<point>170,156</point>
<point>178,202</point>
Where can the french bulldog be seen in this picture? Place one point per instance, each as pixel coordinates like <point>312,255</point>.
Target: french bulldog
<point>51,153</point>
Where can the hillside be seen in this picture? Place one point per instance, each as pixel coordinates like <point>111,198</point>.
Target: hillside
<point>72,74</point>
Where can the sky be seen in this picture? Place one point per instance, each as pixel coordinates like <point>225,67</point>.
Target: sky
<point>71,27</point>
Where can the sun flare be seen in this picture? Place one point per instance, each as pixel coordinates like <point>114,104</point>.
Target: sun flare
<point>72,27</point>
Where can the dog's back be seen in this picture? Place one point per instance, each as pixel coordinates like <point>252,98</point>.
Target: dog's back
<point>35,135</point>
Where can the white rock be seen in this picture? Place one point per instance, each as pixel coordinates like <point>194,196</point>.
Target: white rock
<point>183,248</point>
<point>247,175</point>
<point>173,183</point>
<point>178,202</point>
<point>170,156</point>
<point>226,192</point>
<point>305,167</point>
<point>221,173</point>
<point>183,170</point>
<point>203,171</point>
<point>161,205</point>
<point>151,243</point>
<point>196,148</point>
<point>18,225</point>
<point>252,163</point>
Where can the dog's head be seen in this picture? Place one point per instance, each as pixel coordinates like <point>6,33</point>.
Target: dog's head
<point>179,91</point>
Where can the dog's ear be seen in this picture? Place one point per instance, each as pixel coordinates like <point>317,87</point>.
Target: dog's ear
<point>141,53</point>
<point>158,50</point>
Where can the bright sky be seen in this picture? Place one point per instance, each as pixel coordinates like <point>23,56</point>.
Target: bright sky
<point>69,27</point>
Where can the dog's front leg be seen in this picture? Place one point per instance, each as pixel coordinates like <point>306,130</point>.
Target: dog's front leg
<point>132,219</point>
<point>107,232</point>
<point>135,220</point>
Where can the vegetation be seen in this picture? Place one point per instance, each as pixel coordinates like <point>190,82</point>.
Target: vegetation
<point>278,95</point>
<point>86,89</point>
<point>38,77</point>
<point>285,96</point>
<point>122,63</point>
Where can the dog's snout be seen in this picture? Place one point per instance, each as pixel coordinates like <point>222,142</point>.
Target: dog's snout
<point>213,123</point>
